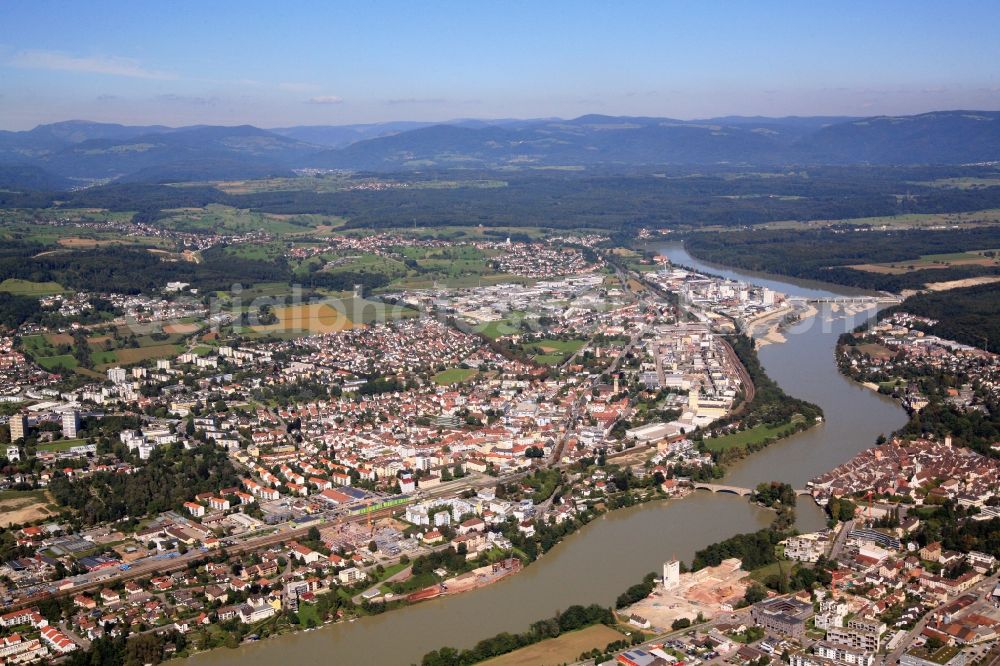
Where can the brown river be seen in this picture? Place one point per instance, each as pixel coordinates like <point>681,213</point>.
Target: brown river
<point>617,550</point>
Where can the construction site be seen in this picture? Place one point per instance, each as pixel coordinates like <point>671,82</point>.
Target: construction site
<point>709,591</point>
<point>485,575</point>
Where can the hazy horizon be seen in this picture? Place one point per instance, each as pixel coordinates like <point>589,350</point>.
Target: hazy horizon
<point>445,121</point>
<point>349,63</point>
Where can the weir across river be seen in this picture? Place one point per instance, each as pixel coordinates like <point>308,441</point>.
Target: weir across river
<point>886,299</point>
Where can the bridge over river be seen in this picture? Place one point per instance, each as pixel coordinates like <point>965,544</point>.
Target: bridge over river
<point>737,490</point>
<point>885,299</point>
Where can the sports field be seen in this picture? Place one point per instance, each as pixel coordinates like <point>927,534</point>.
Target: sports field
<point>453,376</point>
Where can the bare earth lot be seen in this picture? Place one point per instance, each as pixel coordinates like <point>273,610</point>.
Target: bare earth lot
<point>562,650</point>
<point>17,507</point>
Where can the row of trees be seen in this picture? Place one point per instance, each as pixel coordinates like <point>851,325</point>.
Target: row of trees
<point>755,550</point>
<point>573,618</point>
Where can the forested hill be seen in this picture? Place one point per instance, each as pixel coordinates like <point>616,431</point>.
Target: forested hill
<point>950,137</point>
<point>893,258</point>
<point>970,316</point>
<point>83,150</point>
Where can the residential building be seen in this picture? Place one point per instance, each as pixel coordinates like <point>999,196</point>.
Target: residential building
<point>70,424</point>
<point>18,427</point>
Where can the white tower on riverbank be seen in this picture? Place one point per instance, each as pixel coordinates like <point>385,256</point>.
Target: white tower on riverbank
<point>671,574</point>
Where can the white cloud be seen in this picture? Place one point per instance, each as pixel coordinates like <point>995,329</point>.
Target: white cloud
<point>194,100</point>
<point>416,100</point>
<point>110,65</point>
<point>325,99</point>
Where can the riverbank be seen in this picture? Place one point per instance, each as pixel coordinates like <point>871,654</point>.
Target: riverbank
<point>776,323</point>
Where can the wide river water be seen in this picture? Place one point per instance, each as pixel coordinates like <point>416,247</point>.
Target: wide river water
<point>617,550</point>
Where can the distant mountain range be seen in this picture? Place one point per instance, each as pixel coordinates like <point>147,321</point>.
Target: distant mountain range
<point>79,152</point>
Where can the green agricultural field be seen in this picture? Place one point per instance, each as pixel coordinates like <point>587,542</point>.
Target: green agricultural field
<point>256,251</point>
<point>450,262</point>
<point>103,358</point>
<point>37,345</point>
<point>909,221</point>
<point>947,260</point>
<point>29,288</point>
<point>964,183</point>
<point>454,376</point>
<point>773,569</point>
<point>501,327</point>
<point>259,289</point>
<point>364,311</point>
<point>357,263</point>
<point>332,182</point>
<point>67,361</point>
<point>216,217</point>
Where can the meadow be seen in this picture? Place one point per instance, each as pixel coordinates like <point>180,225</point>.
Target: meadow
<point>54,351</point>
<point>219,218</point>
<point>743,438</point>
<point>932,261</point>
<point>29,288</point>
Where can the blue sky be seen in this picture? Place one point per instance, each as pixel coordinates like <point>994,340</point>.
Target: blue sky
<point>275,64</point>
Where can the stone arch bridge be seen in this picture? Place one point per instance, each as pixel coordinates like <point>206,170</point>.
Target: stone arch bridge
<point>737,490</point>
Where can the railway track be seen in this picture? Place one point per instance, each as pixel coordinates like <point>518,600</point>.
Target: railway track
<point>184,561</point>
<point>161,567</point>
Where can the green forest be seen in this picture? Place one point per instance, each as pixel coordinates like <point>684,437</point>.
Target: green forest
<point>826,254</point>
<point>970,315</point>
<point>622,201</point>
<point>171,476</point>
